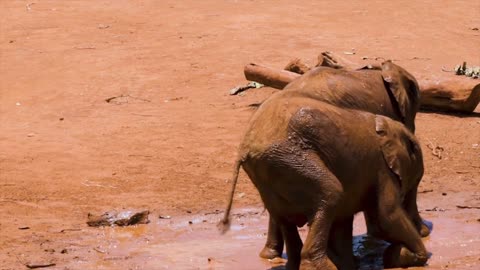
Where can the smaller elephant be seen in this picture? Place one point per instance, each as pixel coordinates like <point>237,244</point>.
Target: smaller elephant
<point>317,164</point>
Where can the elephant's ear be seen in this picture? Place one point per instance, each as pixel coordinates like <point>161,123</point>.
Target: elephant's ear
<point>389,147</point>
<point>404,88</point>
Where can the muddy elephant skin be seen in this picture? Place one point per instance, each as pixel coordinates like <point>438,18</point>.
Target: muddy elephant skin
<point>316,163</point>
<point>387,90</point>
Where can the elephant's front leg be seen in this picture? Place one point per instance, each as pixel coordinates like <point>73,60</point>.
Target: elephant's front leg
<point>407,248</point>
<point>410,206</point>
<point>274,245</point>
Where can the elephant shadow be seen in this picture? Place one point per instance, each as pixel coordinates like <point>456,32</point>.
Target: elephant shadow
<point>453,113</point>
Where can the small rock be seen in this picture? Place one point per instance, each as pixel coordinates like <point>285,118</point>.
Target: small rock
<point>444,194</point>
<point>189,212</point>
<point>125,218</point>
<point>31,135</point>
<point>18,104</point>
<point>64,251</point>
<point>61,118</point>
<point>103,26</point>
<point>164,217</point>
<point>24,228</point>
<point>475,28</point>
<point>190,222</point>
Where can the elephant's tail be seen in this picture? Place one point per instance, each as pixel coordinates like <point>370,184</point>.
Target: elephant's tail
<point>224,224</point>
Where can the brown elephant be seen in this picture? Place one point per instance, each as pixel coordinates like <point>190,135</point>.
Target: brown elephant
<point>316,163</point>
<point>386,90</point>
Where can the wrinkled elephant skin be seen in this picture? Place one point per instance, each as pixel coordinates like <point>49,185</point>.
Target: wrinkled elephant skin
<point>319,164</point>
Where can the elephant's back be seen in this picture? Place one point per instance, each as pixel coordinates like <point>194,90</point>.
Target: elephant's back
<point>345,140</point>
<point>361,89</point>
<point>269,123</point>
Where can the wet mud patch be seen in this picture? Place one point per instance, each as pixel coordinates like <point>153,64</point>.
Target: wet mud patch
<point>193,242</point>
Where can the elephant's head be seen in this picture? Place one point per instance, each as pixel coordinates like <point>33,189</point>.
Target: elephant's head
<point>401,152</point>
<point>403,90</point>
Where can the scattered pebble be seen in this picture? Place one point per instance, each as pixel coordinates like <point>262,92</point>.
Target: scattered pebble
<point>103,26</point>
<point>435,209</point>
<point>444,194</point>
<point>164,217</point>
<point>24,228</point>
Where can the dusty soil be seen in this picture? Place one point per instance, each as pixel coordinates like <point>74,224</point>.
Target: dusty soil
<point>168,142</point>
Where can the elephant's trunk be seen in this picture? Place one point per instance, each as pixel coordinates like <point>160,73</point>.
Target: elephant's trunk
<point>224,224</point>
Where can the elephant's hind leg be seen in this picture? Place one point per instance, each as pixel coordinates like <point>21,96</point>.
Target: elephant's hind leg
<point>274,245</point>
<point>293,242</point>
<point>297,187</point>
<point>327,191</point>
<point>340,244</point>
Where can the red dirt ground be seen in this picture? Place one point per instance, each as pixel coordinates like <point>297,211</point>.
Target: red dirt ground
<point>169,144</point>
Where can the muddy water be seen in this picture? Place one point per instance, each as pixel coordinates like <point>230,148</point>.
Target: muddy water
<point>192,242</point>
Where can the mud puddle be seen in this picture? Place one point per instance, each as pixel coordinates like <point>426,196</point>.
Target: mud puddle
<point>193,242</point>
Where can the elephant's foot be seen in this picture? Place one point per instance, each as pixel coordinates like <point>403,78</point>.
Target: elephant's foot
<point>424,230</point>
<point>399,256</point>
<point>325,263</point>
<point>270,253</point>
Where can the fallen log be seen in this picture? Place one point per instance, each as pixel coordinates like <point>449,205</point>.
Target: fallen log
<point>458,94</point>
<point>268,76</point>
<point>454,94</point>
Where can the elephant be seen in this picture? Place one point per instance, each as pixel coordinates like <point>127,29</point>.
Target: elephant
<point>387,90</point>
<point>318,164</point>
